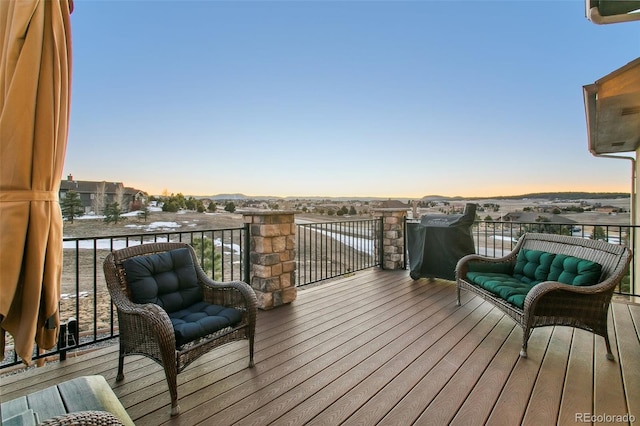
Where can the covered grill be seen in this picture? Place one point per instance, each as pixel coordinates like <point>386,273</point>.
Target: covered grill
<point>438,241</point>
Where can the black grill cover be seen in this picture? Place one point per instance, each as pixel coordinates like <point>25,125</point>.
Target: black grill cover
<point>437,243</point>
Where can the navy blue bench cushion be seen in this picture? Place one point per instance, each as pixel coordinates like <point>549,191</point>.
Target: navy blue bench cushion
<point>169,280</point>
<point>574,271</point>
<point>505,286</point>
<point>201,319</point>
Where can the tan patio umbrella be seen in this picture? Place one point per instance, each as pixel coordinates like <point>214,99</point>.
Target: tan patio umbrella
<point>35,73</point>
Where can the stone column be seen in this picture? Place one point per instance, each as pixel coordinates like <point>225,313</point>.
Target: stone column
<point>393,237</point>
<point>272,251</point>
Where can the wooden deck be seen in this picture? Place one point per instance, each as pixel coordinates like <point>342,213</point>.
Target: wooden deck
<point>380,348</point>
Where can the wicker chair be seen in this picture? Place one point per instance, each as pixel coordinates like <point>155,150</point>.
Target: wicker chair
<point>146,328</point>
<point>551,302</point>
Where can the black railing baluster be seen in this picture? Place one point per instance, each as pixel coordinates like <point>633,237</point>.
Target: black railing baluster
<point>323,251</point>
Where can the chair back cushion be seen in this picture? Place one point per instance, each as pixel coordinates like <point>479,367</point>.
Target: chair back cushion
<point>167,279</point>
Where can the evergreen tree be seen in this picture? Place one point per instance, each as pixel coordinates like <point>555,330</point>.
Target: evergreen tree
<point>599,233</point>
<point>174,202</point>
<point>211,261</point>
<point>230,206</point>
<point>71,206</point>
<point>170,206</point>
<point>190,203</point>
<point>113,213</point>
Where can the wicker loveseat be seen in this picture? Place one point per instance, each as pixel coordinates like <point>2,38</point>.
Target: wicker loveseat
<point>171,311</point>
<point>549,280</point>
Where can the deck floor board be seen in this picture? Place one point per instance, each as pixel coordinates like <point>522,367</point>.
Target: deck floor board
<point>380,348</point>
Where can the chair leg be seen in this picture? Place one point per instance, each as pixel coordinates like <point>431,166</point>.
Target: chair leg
<point>120,375</point>
<point>171,373</point>
<point>526,333</point>
<point>175,409</point>
<point>609,352</point>
<point>251,363</point>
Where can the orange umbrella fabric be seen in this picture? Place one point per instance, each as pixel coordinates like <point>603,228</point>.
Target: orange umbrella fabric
<point>35,77</point>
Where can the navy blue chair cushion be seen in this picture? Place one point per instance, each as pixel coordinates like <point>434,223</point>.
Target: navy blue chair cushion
<point>201,319</point>
<point>169,280</point>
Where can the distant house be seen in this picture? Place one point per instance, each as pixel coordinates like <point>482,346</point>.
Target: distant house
<point>206,202</point>
<point>327,206</point>
<point>607,209</point>
<point>546,208</point>
<point>89,190</point>
<point>513,217</point>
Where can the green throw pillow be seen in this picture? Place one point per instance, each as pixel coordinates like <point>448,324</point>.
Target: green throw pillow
<point>574,271</point>
<point>533,265</point>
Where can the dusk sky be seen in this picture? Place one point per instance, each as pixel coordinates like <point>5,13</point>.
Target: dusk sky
<point>396,99</point>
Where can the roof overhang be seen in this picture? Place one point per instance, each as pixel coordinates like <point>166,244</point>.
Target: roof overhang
<point>612,11</point>
<point>612,108</point>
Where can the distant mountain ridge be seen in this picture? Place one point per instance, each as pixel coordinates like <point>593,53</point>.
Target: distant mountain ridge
<point>238,196</point>
<point>539,196</point>
<point>532,196</point>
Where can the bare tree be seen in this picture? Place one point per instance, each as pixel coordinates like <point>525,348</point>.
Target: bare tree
<point>119,197</point>
<point>100,198</point>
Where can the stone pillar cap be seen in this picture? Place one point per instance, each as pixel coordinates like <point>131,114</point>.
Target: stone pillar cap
<point>390,209</point>
<point>265,212</point>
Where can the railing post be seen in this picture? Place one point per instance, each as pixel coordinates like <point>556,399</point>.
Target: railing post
<point>391,242</point>
<point>272,256</point>
<point>404,239</point>
<point>62,342</point>
<point>246,264</point>
<point>380,242</point>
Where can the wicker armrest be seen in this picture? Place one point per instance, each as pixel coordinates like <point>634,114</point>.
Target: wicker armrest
<point>236,294</point>
<point>462,267</point>
<point>547,289</point>
<point>147,315</point>
<point>82,418</point>
<point>233,293</point>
